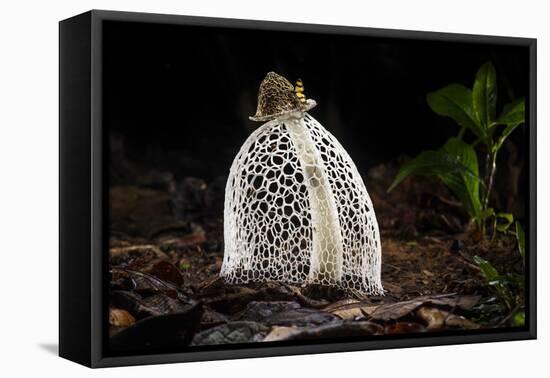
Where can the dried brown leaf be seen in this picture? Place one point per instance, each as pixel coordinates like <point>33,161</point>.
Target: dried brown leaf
<point>334,329</point>
<point>394,311</point>
<point>120,318</point>
<point>438,319</point>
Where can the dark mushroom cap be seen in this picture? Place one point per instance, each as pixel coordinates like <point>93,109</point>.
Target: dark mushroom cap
<point>277,98</point>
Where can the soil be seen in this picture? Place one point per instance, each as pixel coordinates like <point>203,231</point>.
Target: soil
<point>166,251</point>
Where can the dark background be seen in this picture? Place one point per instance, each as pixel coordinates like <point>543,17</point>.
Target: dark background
<point>178,97</point>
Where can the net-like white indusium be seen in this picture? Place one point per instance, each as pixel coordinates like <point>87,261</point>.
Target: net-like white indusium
<point>297,211</point>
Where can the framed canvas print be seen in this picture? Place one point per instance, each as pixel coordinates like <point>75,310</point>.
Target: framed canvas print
<point>233,188</point>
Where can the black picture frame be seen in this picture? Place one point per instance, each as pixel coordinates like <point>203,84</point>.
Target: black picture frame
<point>82,197</point>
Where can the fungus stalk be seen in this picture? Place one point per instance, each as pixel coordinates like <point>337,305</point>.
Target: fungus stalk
<point>326,253</point>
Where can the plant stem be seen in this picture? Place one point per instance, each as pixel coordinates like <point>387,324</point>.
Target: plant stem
<point>491,165</point>
<point>461,132</point>
<point>490,168</point>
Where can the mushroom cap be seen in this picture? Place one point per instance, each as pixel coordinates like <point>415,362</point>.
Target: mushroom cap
<point>276,98</point>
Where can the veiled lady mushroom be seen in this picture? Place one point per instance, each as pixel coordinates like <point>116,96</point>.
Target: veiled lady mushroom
<point>296,208</point>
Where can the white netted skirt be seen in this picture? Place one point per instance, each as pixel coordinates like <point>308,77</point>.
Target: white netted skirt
<point>297,211</point>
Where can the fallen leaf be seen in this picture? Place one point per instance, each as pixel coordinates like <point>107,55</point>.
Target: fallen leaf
<point>394,311</point>
<point>161,269</point>
<point>232,333</point>
<point>434,317</point>
<point>284,313</point>
<point>392,288</point>
<point>464,302</point>
<point>341,304</point>
<point>212,318</point>
<point>165,332</point>
<point>234,298</point>
<point>140,282</point>
<point>438,319</point>
<point>141,254</point>
<point>120,318</point>
<point>281,333</point>
<point>391,311</point>
<point>352,313</point>
<point>332,330</point>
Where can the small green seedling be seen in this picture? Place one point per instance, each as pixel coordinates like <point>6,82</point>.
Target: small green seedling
<point>455,164</point>
<point>509,288</point>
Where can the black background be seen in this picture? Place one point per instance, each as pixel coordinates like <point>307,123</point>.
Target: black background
<point>180,96</point>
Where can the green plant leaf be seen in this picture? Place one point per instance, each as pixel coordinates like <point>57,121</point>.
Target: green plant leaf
<point>504,221</point>
<point>464,183</point>
<point>484,95</point>
<point>513,280</point>
<point>488,270</point>
<point>456,165</point>
<point>498,282</point>
<point>507,131</point>
<point>520,235</point>
<point>518,320</point>
<point>487,213</point>
<point>427,163</point>
<point>455,101</point>
<point>512,114</point>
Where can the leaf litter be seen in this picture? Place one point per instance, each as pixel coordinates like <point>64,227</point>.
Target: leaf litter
<point>165,292</point>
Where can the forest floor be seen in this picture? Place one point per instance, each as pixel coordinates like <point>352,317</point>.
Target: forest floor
<point>166,251</point>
